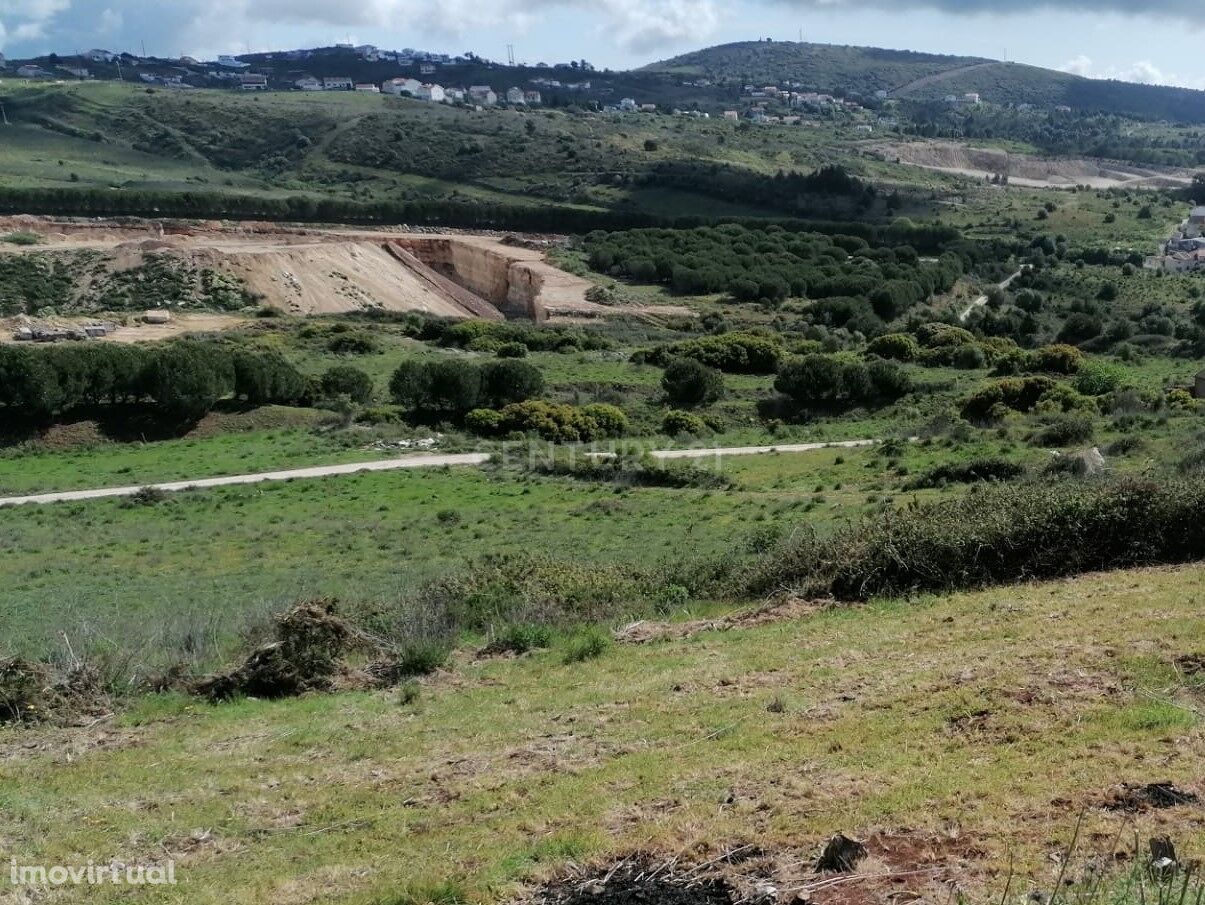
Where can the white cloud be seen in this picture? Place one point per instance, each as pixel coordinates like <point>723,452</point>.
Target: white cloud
<point>642,25</point>
<point>1143,72</point>
<point>1081,65</point>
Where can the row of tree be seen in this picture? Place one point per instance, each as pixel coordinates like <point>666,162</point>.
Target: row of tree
<point>183,378</point>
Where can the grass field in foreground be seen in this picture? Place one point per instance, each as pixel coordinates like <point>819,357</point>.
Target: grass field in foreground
<point>981,725</point>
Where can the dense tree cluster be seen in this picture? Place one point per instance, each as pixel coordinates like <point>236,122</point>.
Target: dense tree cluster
<point>445,386</point>
<point>182,378</point>
<point>851,279</point>
<point>841,381</point>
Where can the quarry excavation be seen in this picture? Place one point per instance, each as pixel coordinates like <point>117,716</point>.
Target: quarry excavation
<point>315,271</point>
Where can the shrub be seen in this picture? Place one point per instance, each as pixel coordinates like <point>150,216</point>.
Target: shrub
<point>1020,394</point>
<point>420,658</point>
<point>344,380</point>
<point>1001,534</point>
<point>1099,378</point>
<point>589,645</point>
<point>353,344</point>
<point>549,420</point>
<point>677,423</point>
<point>733,353</point>
<point>1066,430</point>
<point>967,473</point>
<point>896,346</point>
<point>939,336</point>
<point>518,639</point>
<point>1057,359</point>
<point>512,350</point>
<point>691,384</point>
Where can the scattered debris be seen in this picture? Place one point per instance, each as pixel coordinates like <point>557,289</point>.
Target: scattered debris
<point>841,855</point>
<point>1163,856</point>
<point>640,881</point>
<point>647,632</point>
<point>1191,664</point>
<point>35,693</point>
<point>416,443</point>
<point>1158,795</point>
<point>307,656</point>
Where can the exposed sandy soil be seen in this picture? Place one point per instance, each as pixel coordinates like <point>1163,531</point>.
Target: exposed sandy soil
<point>314,271</point>
<point>1030,171</point>
<point>132,330</point>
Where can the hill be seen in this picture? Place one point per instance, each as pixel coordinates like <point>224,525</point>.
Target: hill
<point>863,70</point>
<point>917,76</point>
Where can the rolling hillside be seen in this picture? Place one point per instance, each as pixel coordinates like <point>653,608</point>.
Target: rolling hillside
<point>918,76</point>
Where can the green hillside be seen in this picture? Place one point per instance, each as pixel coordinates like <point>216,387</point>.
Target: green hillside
<point>918,76</point>
<point>821,66</point>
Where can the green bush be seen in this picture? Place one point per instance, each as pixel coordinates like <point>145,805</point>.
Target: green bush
<point>967,473</point>
<point>1057,359</point>
<point>1099,378</point>
<point>677,423</point>
<point>692,384</point>
<point>896,346</point>
<point>511,350</point>
<point>518,639</point>
<point>344,380</point>
<point>733,353</point>
<point>353,344</point>
<point>1020,394</point>
<point>1000,534</point>
<point>553,421</point>
<point>1066,430</point>
<point>588,645</point>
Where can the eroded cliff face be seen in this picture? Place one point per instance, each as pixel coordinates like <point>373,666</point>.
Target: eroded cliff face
<point>509,278</point>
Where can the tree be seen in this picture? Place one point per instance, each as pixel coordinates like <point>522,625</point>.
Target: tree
<point>188,378</point>
<point>691,384</point>
<point>345,380</point>
<point>508,380</point>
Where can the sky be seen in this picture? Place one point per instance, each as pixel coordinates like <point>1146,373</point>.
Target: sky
<point>1133,40</point>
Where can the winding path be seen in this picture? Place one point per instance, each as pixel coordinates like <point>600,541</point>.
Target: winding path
<point>438,460</point>
<point>982,300</point>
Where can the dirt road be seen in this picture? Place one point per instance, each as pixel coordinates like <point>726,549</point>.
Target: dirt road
<point>982,300</point>
<point>422,461</point>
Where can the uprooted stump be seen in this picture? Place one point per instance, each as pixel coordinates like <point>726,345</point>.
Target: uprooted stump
<point>307,655</point>
<point>638,881</point>
<point>841,855</point>
<point>1157,795</point>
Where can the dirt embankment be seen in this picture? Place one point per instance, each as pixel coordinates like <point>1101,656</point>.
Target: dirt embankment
<point>1031,171</point>
<point>309,271</point>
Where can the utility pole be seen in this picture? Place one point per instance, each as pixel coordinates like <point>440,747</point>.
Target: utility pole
<point>510,54</point>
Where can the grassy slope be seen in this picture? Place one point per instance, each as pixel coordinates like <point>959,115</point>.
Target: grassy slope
<point>991,718</point>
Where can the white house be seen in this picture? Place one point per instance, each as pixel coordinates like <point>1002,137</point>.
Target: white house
<point>515,96</point>
<point>426,69</point>
<point>401,86</point>
<point>232,62</point>
<point>483,94</point>
<point>32,72</point>
<point>433,93</point>
<point>337,83</point>
<point>101,56</point>
<point>367,88</point>
<point>971,99</point>
<point>308,83</point>
<point>454,95</point>
<point>628,105</point>
<point>532,98</point>
<point>253,81</point>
